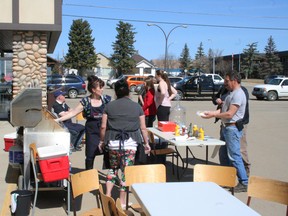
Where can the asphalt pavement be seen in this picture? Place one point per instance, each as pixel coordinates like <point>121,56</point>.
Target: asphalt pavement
<point>267,147</point>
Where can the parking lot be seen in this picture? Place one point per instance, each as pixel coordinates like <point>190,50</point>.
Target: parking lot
<point>267,140</point>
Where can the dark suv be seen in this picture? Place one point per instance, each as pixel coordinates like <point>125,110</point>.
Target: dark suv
<point>196,86</point>
<point>73,85</point>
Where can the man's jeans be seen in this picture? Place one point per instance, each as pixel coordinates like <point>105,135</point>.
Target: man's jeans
<point>230,153</point>
<point>76,137</point>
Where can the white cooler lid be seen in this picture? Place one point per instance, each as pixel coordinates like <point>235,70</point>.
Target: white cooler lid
<point>47,152</point>
<point>11,135</point>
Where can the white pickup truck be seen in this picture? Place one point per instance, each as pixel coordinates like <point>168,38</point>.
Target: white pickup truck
<point>275,89</point>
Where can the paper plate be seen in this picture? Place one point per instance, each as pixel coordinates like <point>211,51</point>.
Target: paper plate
<point>200,113</point>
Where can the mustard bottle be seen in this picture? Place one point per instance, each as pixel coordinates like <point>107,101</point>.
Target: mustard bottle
<point>195,131</point>
<point>177,130</point>
<point>201,134</point>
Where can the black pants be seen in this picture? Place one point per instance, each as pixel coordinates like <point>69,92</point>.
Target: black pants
<point>163,113</point>
<point>149,120</point>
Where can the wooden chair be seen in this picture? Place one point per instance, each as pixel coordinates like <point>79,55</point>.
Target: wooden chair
<point>170,152</point>
<point>38,178</point>
<point>109,206</point>
<point>152,173</point>
<point>222,175</point>
<point>85,182</point>
<point>268,189</point>
<point>120,211</point>
<point>79,117</point>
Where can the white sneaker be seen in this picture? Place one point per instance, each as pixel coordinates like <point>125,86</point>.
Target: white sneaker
<point>124,205</point>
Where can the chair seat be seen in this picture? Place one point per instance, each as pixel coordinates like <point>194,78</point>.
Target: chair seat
<point>93,212</point>
<point>163,151</point>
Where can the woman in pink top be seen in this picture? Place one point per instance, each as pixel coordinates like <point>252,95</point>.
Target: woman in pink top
<point>163,96</point>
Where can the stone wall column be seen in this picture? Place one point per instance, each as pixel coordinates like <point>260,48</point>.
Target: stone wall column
<point>30,62</point>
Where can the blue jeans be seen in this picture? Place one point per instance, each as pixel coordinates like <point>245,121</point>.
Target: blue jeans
<point>230,153</point>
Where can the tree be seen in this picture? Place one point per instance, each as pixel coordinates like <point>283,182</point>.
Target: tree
<point>271,63</point>
<point>250,58</point>
<point>81,53</point>
<point>201,62</point>
<point>185,59</point>
<point>123,48</point>
<point>200,52</point>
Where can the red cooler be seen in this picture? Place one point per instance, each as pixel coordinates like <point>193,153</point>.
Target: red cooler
<point>9,140</point>
<point>54,163</point>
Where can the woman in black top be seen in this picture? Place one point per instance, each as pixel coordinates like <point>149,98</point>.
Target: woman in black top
<point>92,107</point>
<point>122,130</point>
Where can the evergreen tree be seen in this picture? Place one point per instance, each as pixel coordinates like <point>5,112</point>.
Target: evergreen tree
<point>185,59</point>
<point>201,62</point>
<point>81,53</point>
<point>200,52</point>
<point>250,58</point>
<point>123,48</point>
<point>271,64</point>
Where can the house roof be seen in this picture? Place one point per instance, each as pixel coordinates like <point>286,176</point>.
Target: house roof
<point>103,55</point>
<point>140,59</point>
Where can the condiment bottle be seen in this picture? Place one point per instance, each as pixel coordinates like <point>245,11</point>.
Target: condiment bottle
<point>177,130</point>
<point>195,131</point>
<point>201,134</point>
<point>190,131</point>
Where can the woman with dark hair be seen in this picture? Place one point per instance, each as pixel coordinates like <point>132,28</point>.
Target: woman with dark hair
<point>122,130</point>
<point>92,108</point>
<point>149,106</point>
<point>164,94</point>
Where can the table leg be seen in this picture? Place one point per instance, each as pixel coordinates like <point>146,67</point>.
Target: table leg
<point>206,154</point>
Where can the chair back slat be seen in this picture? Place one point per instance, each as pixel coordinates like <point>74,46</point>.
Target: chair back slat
<point>152,173</point>
<point>221,175</point>
<point>33,152</point>
<point>81,183</point>
<point>151,137</point>
<point>268,189</point>
<point>108,204</point>
<point>120,211</point>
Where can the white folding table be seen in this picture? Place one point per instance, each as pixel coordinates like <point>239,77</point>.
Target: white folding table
<point>170,137</point>
<point>188,198</point>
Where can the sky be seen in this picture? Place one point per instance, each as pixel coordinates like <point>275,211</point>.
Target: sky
<point>225,26</point>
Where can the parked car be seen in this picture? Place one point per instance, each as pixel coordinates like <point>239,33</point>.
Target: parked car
<point>138,88</point>
<point>270,77</point>
<point>196,86</point>
<point>111,82</point>
<point>73,85</point>
<point>6,88</point>
<point>174,79</point>
<point>133,81</point>
<point>275,89</point>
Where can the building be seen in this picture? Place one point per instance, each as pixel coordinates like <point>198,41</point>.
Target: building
<point>283,55</point>
<point>104,69</point>
<point>143,66</point>
<point>29,30</point>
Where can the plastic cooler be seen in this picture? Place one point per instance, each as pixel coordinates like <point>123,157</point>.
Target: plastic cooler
<point>9,140</point>
<point>53,162</point>
<point>166,126</point>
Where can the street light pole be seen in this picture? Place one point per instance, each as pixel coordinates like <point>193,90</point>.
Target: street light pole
<point>166,39</point>
<point>213,63</point>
